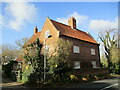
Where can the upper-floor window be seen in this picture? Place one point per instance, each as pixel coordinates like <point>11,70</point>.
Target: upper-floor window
<point>92,51</point>
<point>76,64</point>
<point>94,64</point>
<point>76,49</point>
<point>46,34</point>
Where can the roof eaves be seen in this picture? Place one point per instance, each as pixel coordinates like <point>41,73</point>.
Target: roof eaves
<point>79,39</point>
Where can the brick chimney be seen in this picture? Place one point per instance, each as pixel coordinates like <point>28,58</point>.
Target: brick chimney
<point>35,30</point>
<point>72,22</point>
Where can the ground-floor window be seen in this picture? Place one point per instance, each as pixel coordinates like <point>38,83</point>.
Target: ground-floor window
<point>76,64</point>
<point>94,64</point>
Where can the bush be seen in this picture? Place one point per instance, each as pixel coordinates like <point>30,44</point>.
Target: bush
<point>13,76</point>
<point>34,79</point>
<point>73,77</point>
<point>59,72</point>
<point>8,68</point>
<point>90,76</point>
<point>115,68</point>
<point>26,73</point>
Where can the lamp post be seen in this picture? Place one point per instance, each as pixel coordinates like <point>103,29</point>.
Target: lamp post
<point>45,56</point>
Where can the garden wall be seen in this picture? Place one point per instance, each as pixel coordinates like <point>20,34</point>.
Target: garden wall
<point>91,71</point>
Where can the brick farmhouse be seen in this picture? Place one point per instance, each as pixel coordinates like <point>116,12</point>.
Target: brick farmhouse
<point>85,50</point>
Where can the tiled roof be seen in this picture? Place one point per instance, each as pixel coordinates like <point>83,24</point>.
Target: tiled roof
<point>74,33</point>
<point>33,38</point>
<point>19,59</point>
<point>67,31</point>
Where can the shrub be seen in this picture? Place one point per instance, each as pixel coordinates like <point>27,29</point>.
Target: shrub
<point>8,68</point>
<point>26,73</point>
<point>73,77</point>
<point>116,69</point>
<point>34,79</point>
<point>34,71</point>
<point>13,76</point>
<point>59,72</point>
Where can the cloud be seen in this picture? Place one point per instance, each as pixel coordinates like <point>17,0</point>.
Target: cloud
<point>85,23</point>
<point>80,19</point>
<point>103,25</point>
<point>63,20</point>
<point>19,13</point>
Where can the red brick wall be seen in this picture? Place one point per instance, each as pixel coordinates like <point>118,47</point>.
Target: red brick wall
<point>83,56</point>
<point>85,53</point>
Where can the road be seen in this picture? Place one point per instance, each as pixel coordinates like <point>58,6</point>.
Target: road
<point>106,84</point>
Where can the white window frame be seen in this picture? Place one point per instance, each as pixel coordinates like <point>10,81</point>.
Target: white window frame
<point>47,34</point>
<point>76,49</point>
<point>92,51</point>
<point>94,64</point>
<point>76,64</point>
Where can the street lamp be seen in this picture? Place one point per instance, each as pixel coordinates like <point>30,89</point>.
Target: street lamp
<point>45,56</point>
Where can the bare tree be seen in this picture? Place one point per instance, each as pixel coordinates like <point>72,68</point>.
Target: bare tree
<point>110,43</point>
<point>60,53</point>
<point>21,42</point>
<point>9,53</point>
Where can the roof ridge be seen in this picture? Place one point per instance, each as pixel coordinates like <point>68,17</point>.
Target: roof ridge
<point>67,25</point>
<point>75,30</point>
<point>60,22</point>
<point>65,30</point>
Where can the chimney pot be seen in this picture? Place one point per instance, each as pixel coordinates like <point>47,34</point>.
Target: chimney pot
<point>35,30</point>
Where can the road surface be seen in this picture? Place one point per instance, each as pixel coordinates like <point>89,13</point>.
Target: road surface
<point>106,84</point>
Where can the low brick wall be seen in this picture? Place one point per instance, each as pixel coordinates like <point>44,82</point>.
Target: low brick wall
<point>92,71</point>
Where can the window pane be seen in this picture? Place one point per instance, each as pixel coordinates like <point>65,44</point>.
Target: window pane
<point>94,64</point>
<point>76,64</point>
<point>76,49</point>
<point>92,51</point>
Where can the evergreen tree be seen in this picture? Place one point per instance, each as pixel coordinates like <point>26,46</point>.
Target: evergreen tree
<point>36,61</point>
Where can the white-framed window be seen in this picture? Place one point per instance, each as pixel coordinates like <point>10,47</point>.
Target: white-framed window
<point>76,49</point>
<point>92,51</point>
<point>46,34</point>
<point>94,64</point>
<point>76,64</point>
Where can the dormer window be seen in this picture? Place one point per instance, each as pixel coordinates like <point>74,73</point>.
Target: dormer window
<point>46,34</point>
